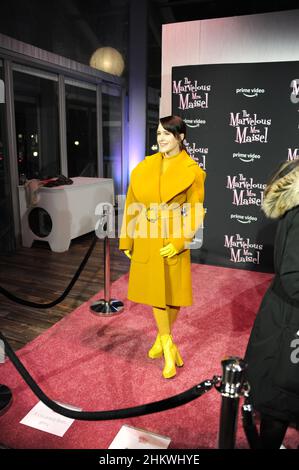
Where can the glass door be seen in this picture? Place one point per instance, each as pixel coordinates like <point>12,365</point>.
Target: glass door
<point>81,123</point>
<point>7,240</point>
<point>37,125</point>
<point>112,135</point>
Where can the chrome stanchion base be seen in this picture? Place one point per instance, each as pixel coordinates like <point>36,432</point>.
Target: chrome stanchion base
<point>107,307</point>
<point>5,398</point>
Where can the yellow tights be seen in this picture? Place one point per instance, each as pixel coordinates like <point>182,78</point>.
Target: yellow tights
<point>165,318</point>
<point>164,345</point>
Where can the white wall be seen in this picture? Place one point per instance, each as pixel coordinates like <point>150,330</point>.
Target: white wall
<point>268,37</point>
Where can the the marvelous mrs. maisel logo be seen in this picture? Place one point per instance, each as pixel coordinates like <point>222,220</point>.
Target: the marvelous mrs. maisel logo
<point>242,250</point>
<point>191,93</point>
<point>197,152</point>
<point>246,191</point>
<point>293,154</point>
<point>249,127</point>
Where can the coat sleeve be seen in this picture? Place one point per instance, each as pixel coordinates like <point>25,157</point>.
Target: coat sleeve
<point>289,270</point>
<point>128,222</point>
<point>194,210</point>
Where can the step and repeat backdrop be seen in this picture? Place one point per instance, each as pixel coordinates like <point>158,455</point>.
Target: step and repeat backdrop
<point>242,122</point>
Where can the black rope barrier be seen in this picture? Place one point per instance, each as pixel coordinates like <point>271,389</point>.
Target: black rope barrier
<point>28,303</point>
<point>249,426</point>
<point>231,386</point>
<point>148,408</point>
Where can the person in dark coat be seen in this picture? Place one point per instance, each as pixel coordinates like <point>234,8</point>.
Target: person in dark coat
<point>273,349</point>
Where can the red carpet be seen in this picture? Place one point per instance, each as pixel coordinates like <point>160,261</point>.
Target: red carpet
<point>101,364</point>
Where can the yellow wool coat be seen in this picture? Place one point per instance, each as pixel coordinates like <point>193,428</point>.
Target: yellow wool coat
<point>148,226</point>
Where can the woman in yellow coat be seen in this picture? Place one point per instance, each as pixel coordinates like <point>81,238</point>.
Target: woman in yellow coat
<point>164,208</point>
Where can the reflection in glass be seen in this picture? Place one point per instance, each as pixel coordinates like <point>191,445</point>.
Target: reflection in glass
<point>81,121</point>
<point>37,131</point>
<point>112,139</point>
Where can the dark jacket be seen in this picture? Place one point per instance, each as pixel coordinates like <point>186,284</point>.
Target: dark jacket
<point>273,349</point>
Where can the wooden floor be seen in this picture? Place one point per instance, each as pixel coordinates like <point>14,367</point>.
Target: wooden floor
<point>40,275</point>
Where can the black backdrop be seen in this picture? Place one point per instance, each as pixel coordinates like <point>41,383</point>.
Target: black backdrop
<point>242,121</point>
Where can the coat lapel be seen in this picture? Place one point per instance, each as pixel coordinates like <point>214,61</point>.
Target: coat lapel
<point>146,179</point>
<point>177,177</point>
<point>149,186</point>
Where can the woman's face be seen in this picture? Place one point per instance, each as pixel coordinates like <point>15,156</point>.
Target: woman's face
<point>167,142</point>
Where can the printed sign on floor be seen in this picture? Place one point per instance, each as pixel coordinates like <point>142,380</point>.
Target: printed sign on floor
<point>43,418</point>
<point>130,437</point>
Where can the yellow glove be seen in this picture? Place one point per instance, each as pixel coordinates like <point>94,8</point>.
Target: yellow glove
<point>168,251</point>
<point>128,253</point>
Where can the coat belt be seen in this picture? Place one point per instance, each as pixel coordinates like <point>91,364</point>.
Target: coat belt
<point>152,214</point>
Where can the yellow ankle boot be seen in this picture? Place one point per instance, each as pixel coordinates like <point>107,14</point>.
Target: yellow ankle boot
<point>156,350</point>
<point>178,358</point>
<point>171,355</point>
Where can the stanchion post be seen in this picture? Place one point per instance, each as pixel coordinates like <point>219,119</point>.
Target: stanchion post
<point>5,393</point>
<point>231,389</point>
<point>5,398</point>
<point>107,306</point>
<point>107,269</point>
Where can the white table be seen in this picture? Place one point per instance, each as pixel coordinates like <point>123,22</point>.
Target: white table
<point>71,209</point>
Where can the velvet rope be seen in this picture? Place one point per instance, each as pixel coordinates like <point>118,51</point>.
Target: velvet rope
<point>148,408</point>
<point>28,303</point>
